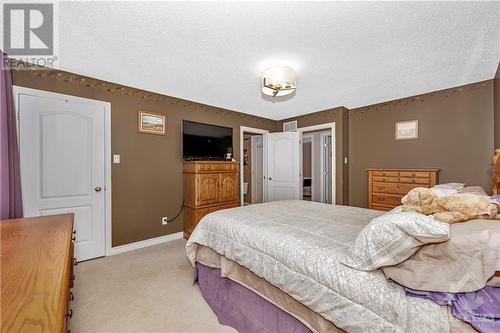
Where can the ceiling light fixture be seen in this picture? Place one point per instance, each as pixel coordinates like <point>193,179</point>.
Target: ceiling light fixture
<point>278,81</point>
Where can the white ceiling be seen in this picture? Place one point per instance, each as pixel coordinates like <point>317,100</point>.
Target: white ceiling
<point>350,54</point>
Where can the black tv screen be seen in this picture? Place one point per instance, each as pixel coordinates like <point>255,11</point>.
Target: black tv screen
<point>205,142</point>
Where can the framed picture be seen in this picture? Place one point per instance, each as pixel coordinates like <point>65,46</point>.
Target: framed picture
<point>151,123</point>
<point>407,130</point>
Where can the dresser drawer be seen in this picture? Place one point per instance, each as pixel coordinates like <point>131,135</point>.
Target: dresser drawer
<point>232,205</point>
<point>418,174</point>
<point>381,179</point>
<point>393,188</point>
<point>382,208</point>
<point>411,180</point>
<point>387,199</point>
<point>383,173</point>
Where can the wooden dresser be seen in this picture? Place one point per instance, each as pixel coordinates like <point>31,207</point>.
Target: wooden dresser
<point>208,186</point>
<point>36,273</point>
<point>386,187</point>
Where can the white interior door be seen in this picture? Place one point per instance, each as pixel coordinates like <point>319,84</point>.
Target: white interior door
<point>62,150</point>
<point>257,168</point>
<point>282,161</point>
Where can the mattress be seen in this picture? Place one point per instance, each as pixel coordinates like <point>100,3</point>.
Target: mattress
<point>297,246</point>
<point>244,277</point>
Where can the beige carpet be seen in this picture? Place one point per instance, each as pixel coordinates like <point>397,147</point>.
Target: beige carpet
<point>147,290</point>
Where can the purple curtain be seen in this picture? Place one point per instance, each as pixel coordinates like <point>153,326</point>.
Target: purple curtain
<point>10,179</point>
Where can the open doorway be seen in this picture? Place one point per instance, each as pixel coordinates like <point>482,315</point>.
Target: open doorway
<point>251,165</point>
<point>307,166</point>
<point>318,167</point>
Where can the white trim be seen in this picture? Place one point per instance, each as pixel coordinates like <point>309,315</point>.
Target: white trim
<point>326,126</point>
<point>323,163</point>
<point>17,90</point>
<point>145,243</point>
<point>244,129</point>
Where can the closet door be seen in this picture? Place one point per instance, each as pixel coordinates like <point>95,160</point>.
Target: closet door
<point>63,163</point>
<point>282,159</point>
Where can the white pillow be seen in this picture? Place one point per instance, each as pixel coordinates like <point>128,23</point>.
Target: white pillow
<point>451,186</point>
<point>392,238</point>
<point>443,190</point>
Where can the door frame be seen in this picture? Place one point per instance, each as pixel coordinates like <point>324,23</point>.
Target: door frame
<point>323,164</point>
<point>18,91</point>
<point>319,127</point>
<point>245,129</point>
<point>254,166</point>
<point>301,166</point>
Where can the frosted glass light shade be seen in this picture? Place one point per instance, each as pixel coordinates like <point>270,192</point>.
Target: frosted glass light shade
<point>278,81</point>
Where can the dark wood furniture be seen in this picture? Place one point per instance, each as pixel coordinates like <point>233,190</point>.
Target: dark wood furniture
<point>36,273</point>
<point>386,187</point>
<point>208,186</point>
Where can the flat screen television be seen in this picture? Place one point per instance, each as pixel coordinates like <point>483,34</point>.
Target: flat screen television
<point>205,142</point>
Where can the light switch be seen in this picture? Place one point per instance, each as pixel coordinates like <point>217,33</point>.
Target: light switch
<point>116,159</point>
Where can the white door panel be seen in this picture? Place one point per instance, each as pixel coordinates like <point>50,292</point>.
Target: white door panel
<point>62,150</point>
<point>282,150</point>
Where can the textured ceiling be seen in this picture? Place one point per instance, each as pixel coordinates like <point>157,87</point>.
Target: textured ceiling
<point>344,53</point>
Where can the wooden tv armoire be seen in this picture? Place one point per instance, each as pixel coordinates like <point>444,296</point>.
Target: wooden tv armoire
<point>208,186</point>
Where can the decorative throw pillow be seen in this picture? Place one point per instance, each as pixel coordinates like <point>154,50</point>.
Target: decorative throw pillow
<point>392,238</point>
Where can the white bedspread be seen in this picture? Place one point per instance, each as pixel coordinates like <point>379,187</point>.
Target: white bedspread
<point>297,245</point>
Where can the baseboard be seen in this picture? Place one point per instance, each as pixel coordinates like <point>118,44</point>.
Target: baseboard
<point>145,243</point>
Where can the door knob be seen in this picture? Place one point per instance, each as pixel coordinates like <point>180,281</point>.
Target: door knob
<point>270,178</point>
<point>98,189</point>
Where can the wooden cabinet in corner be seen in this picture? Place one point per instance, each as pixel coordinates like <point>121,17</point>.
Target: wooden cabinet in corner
<point>208,186</point>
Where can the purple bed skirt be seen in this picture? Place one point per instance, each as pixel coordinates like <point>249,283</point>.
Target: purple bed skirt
<point>241,308</point>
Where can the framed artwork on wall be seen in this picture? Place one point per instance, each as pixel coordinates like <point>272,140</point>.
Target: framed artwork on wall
<point>151,123</point>
<point>407,130</point>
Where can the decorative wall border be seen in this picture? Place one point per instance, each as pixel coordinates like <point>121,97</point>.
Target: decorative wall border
<point>114,88</point>
<point>128,91</point>
<point>423,98</point>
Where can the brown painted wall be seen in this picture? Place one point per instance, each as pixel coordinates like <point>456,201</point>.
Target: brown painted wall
<point>148,183</point>
<point>497,107</point>
<point>340,116</point>
<point>455,134</point>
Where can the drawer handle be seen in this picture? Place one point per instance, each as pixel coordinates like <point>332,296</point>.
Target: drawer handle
<point>69,314</point>
<point>75,263</point>
<point>73,238</point>
<point>380,187</point>
<point>74,232</point>
<point>71,296</point>
<point>382,199</point>
<point>413,175</point>
<point>413,180</point>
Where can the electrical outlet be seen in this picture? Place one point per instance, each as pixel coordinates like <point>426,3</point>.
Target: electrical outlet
<point>164,220</point>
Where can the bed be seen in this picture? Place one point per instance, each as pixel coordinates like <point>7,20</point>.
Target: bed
<point>289,252</point>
